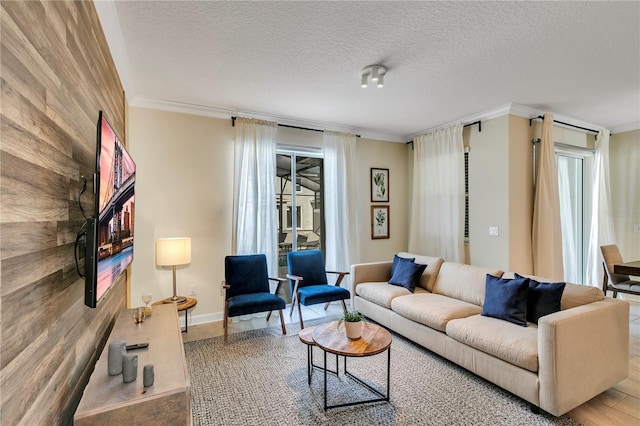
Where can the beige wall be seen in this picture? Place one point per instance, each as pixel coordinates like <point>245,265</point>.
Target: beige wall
<point>624,165</point>
<point>184,187</point>
<point>489,192</point>
<point>392,156</point>
<point>520,195</point>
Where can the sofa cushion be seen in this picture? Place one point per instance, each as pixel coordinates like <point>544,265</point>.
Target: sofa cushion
<point>506,299</point>
<point>502,339</point>
<point>428,278</point>
<point>573,295</point>
<point>432,310</point>
<point>406,273</point>
<point>463,282</point>
<point>382,293</point>
<point>542,299</point>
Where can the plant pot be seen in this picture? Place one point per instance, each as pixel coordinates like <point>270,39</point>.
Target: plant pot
<point>353,329</point>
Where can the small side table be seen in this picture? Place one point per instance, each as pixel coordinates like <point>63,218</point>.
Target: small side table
<point>306,337</point>
<point>190,303</point>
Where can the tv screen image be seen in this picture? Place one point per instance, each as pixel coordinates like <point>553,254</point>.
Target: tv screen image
<point>112,230</point>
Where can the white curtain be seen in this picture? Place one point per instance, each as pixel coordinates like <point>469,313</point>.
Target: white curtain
<point>602,231</point>
<point>437,203</point>
<point>546,235</point>
<point>254,196</point>
<point>340,201</point>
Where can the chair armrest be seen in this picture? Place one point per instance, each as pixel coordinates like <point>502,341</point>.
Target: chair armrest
<point>582,352</point>
<point>280,282</point>
<point>296,280</point>
<point>341,276</point>
<point>294,277</point>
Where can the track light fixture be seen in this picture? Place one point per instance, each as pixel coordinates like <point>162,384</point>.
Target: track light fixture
<point>376,72</point>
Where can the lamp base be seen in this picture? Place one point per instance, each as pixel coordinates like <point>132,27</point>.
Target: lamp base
<point>175,299</point>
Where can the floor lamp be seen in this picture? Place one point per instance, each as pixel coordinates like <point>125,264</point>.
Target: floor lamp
<point>173,252</point>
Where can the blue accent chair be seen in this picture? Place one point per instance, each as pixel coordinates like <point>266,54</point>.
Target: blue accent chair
<point>309,284</point>
<point>247,289</point>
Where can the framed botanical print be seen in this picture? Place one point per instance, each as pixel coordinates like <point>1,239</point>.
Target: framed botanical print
<point>379,185</point>
<point>379,222</point>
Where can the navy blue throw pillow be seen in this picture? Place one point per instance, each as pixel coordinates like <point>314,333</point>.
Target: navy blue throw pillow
<point>506,299</point>
<point>543,298</point>
<point>395,262</point>
<point>407,274</point>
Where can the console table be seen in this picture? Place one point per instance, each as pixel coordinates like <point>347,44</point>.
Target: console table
<point>107,400</point>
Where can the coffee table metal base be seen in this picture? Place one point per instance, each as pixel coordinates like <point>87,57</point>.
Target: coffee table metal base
<point>305,336</point>
<point>311,365</point>
<point>383,397</point>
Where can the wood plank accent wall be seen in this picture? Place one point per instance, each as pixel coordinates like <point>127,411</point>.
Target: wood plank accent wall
<point>56,75</point>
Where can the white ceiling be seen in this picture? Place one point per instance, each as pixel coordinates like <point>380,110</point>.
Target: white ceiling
<point>300,62</point>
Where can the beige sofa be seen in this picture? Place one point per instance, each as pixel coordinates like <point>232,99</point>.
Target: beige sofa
<point>566,359</point>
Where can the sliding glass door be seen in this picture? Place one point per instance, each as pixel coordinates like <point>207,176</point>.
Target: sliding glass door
<point>299,199</point>
<point>574,175</point>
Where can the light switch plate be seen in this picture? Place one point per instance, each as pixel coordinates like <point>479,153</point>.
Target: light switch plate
<point>636,228</point>
<point>493,231</point>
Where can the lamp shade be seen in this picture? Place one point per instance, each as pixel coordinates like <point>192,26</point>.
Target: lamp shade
<point>173,251</point>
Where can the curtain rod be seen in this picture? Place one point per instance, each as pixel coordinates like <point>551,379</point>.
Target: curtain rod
<point>567,146</point>
<point>564,124</point>
<point>233,124</point>
<point>479,123</point>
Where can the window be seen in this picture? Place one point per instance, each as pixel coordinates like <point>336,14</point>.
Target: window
<point>290,217</point>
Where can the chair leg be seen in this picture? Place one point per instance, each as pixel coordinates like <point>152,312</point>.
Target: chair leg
<point>224,324</point>
<point>269,315</point>
<point>615,294</point>
<point>326,305</point>
<point>293,303</point>
<point>284,329</point>
<point>344,306</point>
<point>300,314</point>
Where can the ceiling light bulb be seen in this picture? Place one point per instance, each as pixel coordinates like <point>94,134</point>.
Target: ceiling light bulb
<point>374,74</point>
<point>363,82</point>
<point>381,81</point>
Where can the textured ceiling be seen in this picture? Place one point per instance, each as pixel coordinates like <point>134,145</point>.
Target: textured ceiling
<point>446,60</point>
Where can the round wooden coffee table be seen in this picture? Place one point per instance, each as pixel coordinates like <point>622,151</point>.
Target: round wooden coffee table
<point>374,340</point>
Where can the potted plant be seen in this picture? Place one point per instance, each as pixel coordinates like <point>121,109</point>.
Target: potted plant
<point>352,324</point>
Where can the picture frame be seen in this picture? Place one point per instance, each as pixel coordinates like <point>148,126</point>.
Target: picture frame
<point>379,222</point>
<point>379,185</point>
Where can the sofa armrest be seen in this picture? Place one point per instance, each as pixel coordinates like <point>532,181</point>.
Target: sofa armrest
<point>582,352</point>
<point>369,272</point>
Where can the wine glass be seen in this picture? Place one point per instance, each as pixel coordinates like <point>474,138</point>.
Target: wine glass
<point>146,298</point>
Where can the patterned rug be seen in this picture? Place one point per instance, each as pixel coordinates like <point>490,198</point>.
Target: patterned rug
<point>260,378</point>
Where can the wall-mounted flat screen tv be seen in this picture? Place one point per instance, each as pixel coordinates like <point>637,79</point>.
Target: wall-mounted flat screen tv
<point>109,248</point>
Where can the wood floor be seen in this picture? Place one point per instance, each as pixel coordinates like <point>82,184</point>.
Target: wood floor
<point>618,406</point>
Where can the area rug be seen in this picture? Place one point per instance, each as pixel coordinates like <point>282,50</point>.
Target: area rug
<point>260,378</point>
